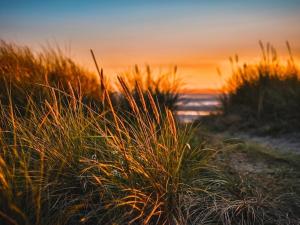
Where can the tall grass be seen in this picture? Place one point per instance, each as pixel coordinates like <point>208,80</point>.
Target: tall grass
<point>266,92</point>
<point>164,87</point>
<point>63,166</point>
<point>28,74</point>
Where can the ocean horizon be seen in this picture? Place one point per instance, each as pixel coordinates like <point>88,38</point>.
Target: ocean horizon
<point>190,107</point>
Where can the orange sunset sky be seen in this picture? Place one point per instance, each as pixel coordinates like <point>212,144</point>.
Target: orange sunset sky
<point>197,36</point>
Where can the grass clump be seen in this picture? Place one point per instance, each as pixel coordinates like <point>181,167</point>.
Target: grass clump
<point>163,87</point>
<point>25,75</point>
<point>266,94</point>
<point>63,166</point>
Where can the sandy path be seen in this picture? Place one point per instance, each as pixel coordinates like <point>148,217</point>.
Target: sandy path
<point>288,143</point>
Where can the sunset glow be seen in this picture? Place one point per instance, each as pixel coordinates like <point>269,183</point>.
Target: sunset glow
<point>196,36</point>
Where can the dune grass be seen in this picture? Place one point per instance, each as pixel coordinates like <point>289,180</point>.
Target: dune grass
<point>68,156</point>
<point>164,87</point>
<point>63,166</point>
<point>266,93</point>
<point>31,74</point>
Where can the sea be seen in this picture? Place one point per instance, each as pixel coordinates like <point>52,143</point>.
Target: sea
<point>191,107</point>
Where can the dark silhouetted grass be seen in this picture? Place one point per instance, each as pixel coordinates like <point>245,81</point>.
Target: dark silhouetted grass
<point>266,94</point>
<point>163,87</point>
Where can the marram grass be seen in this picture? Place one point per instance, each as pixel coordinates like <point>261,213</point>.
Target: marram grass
<point>65,161</point>
<point>63,165</point>
<point>264,95</point>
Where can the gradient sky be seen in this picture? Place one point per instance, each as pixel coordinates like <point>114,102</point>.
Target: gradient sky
<point>198,36</point>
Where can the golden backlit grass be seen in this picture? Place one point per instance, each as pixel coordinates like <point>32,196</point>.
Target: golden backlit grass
<point>22,69</point>
<point>62,166</point>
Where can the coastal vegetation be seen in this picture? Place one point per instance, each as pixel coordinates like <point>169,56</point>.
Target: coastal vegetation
<point>263,96</point>
<point>73,150</point>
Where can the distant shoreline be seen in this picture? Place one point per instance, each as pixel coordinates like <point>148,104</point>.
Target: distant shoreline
<point>200,91</point>
<point>192,106</point>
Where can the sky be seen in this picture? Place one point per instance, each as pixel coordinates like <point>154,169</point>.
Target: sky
<point>197,36</point>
